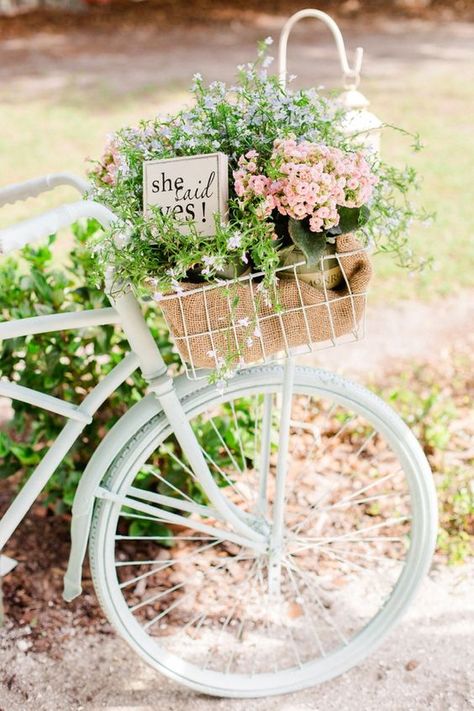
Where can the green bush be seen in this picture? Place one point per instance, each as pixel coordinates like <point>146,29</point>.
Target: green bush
<point>69,364</point>
<point>65,364</point>
<point>434,402</point>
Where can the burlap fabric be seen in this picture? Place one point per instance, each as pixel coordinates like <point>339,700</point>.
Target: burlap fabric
<point>236,319</point>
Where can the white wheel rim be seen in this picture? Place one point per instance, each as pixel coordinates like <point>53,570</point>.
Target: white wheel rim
<point>417,560</point>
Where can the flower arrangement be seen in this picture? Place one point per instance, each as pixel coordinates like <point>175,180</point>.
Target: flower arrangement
<point>295,178</point>
<point>309,182</point>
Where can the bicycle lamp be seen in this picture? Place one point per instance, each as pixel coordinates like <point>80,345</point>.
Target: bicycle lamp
<point>358,121</point>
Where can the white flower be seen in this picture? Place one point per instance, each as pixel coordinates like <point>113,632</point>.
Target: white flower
<point>209,102</point>
<point>122,238</point>
<point>249,341</point>
<point>244,322</point>
<point>257,333</point>
<point>211,354</point>
<point>177,287</point>
<point>268,41</point>
<point>211,263</point>
<point>157,296</point>
<point>235,240</point>
<point>266,62</point>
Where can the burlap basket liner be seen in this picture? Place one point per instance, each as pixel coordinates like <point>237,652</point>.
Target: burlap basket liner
<point>205,322</point>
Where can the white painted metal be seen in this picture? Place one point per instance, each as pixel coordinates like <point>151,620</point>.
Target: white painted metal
<point>265,446</point>
<point>138,335</point>
<point>36,186</point>
<point>154,370</point>
<point>144,411</point>
<point>332,301</point>
<point>351,74</point>
<point>189,506</point>
<point>265,380</point>
<point>218,533</point>
<point>58,322</point>
<point>38,480</point>
<point>46,402</point>
<point>30,231</point>
<point>48,465</point>
<point>7,565</point>
<point>276,537</point>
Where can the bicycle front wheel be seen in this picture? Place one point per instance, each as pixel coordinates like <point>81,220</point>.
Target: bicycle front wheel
<point>359,526</point>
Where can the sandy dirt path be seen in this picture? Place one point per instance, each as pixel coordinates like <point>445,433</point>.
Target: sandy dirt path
<point>136,59</point>
<point>424,664</point>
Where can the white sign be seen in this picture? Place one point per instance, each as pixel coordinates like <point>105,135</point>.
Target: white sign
<point>191,188</point>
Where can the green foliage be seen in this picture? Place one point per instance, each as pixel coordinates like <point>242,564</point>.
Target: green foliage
<point>68,365</point>
<point>312,244</point>
<point>64,364</point>
<point>152,251</point>
<point>351,219</point>
<point>433,413</point>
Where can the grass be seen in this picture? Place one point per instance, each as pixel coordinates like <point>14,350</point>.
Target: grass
<point>39,135</point>
<point>435,401</point>
<point>437,107</point>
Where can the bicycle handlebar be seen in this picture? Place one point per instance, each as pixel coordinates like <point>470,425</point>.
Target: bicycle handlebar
<point>36,186</point>
<point>30,231</point>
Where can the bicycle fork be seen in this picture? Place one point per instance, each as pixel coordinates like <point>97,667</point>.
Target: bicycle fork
<point>278,517</point>
<point>155,372</point>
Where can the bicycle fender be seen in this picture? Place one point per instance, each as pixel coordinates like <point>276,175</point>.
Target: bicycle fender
<point>94,473</point>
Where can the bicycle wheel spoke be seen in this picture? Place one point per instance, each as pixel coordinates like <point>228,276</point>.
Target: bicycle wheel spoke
<point>264,458</point>
<point>227,612</point>
<point>314,510</point>
<point>367,556</point>
<point>239,631</point>
<point>165,565</point>
<point>324,614</point>
<point>168,483</point>
<point>223,443</point>
<point>237,434</point>
<point>185,597</point>
<point>359,502</point>
<point>300,597</point>
<point>228,618</point>
<point>179,461</point>
<point>352,534</point>
<point>224,475</point>
<point>155,598</point>
<point>163,538</point>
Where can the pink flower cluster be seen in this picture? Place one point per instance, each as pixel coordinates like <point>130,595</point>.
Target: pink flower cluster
<point>250,183</point>
<point>312,181</point>
<point>109,164</point>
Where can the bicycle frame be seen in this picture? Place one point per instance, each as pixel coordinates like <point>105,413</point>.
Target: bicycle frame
<point>144,354</point>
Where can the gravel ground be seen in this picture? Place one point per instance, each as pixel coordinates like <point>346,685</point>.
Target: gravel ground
<point>429,330</point>
<point>424,664</point>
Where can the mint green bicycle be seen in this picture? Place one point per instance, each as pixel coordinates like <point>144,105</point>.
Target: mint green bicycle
<point>305,524</point>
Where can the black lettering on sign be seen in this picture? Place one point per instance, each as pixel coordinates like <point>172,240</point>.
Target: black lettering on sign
<point>192,189</point>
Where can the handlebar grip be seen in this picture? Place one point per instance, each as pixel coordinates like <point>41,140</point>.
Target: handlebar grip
<point>30,231</point>
<point>36,186</point>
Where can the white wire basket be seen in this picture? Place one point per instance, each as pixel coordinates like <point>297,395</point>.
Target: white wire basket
<point>229,324</point>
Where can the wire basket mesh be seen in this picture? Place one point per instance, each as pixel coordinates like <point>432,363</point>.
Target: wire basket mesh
<point>229,324</point>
